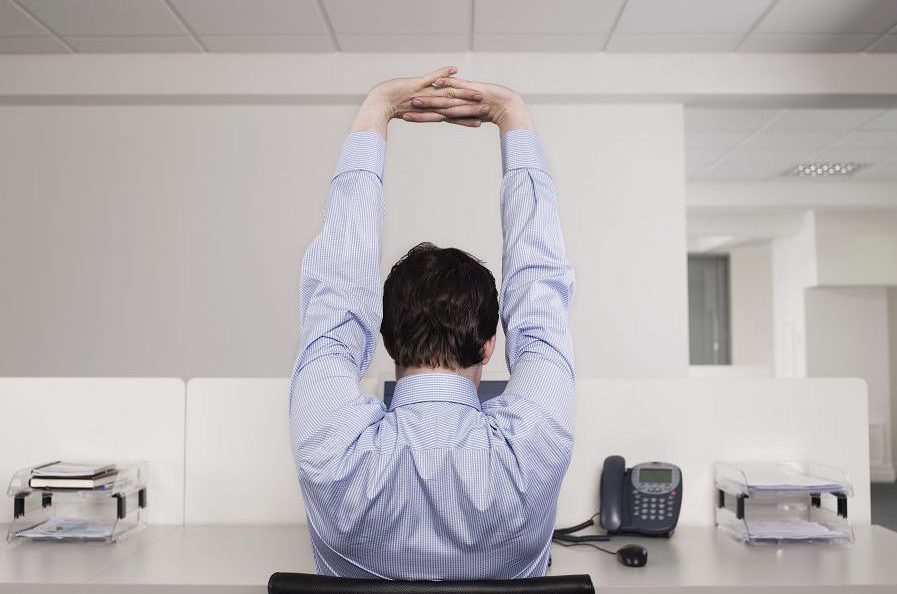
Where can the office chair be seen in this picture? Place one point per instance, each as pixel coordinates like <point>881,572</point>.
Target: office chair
<point>306,583</point>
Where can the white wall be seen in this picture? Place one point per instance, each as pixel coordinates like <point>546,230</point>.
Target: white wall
<point>847,336</point>
<point>793,271</point>
<point>166,240</point>
<point>856,248</point>
<point>750,274</point>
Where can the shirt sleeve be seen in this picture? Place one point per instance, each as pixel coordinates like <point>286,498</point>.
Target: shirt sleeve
<point>340,307</point>
<point>537,289</point>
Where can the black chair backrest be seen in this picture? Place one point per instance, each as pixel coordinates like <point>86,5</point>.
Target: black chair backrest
<point>306,583</point>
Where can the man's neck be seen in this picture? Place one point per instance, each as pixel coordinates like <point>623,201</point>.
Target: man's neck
<point>473,373</point>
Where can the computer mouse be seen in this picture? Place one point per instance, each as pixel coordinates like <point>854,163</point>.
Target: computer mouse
<point>632,555</point>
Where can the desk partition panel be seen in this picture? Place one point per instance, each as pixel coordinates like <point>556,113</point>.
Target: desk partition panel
<point>239,462</point>
<point>694,422</point>
<point>240,467</point>
<point>47,419</point>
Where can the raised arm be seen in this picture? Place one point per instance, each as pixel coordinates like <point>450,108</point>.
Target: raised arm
<point>340,288</point>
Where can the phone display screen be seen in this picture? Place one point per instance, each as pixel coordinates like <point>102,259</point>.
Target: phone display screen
<point>655,475</point>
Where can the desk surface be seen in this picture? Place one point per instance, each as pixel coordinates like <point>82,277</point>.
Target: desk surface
<point>239,559</point>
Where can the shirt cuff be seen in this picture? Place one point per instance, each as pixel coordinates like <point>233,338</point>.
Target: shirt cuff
<point>522,149</point>
<point>362,151</point>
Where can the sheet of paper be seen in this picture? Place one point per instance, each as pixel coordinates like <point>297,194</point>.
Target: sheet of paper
<point>793,530</point>
<point>69,528</point>
<point>763,476</point>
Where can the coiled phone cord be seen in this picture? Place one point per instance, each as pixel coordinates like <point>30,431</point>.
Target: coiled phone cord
<point>565,537</point>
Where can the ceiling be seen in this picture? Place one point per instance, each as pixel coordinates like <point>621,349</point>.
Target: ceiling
<point>63,26</point>
<point>764,144</point>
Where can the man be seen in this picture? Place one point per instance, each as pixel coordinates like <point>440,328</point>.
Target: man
<point>437,486</point>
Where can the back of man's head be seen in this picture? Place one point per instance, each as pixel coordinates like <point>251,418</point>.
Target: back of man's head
<point>440,307</point>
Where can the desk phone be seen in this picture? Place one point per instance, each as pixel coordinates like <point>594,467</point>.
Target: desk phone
<point>645,499</point>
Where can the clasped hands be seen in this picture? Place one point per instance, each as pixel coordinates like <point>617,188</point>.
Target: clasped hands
<point>440,97</point>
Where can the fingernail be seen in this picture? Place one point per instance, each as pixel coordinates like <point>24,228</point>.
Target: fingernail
<point>478,97</point>
<point>453,70</point>
<point>438,82</point>
<point>484,109</point>
<point>416,102</point>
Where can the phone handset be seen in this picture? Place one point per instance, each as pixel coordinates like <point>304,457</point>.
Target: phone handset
<point>611,493</point>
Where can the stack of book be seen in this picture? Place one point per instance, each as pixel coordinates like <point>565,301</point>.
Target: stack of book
<point>70,475</point>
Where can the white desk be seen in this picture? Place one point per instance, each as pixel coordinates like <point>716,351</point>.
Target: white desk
<point>62,568</point>
<point>239,559</point>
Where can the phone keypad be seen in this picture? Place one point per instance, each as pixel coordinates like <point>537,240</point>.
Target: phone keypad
<point>654,508</point>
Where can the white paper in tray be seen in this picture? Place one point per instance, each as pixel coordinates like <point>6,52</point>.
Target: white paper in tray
<point>69,528</point>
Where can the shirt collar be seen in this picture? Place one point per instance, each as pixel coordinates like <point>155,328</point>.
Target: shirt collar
<point>435,387</point>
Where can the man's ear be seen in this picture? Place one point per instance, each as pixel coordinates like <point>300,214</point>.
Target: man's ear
<point>488,349</point>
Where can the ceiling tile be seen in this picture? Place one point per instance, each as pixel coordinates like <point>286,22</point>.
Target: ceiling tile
<point>745,165</point>
<point>806,141</point>
<point>537,42</point>
<point>830,16</point>
<point>776,43</point>
<point>713,140</point>
<point>672,43</point>
<point>857,155</point>
<point>883,139</point>
<point>886,121</point>
<point>886,171</point>
<point>433,42</point>
<point>539,16</point>
<point>711,119</point>
<point>31,45</point>
<point>16,23</point>
<point>267,43</point>
<point>703,155</point>
<point>252,17</point>
<point>121,44</point>
<point>364,17</point>
<point>696,160</point>
<point>690,16</point>
<point>106,17</point>
<point>804,120</point>
<point>888,43</point>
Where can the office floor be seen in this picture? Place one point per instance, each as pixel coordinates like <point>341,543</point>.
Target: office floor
<point>884,505</point>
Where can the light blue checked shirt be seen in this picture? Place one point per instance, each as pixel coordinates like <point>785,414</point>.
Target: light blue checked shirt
<point>437,486</point>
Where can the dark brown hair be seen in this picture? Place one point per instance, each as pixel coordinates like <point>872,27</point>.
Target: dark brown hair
<point>440,307</point>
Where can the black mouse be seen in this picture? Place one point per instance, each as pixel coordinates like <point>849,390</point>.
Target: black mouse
<point>632,555</point>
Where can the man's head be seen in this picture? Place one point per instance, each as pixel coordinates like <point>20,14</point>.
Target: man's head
<point>440,309</point>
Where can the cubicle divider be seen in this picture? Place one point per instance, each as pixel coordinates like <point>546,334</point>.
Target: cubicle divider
<point>47,419</point>
<point>692,423</point>
<point>235,464</point>
<point>239,461</point>
<point>240,467</point>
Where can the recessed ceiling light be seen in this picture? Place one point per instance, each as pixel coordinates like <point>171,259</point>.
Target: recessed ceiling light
<point>826,169</point>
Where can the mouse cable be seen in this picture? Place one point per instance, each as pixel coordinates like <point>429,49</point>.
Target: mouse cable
<point>583,544</point>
